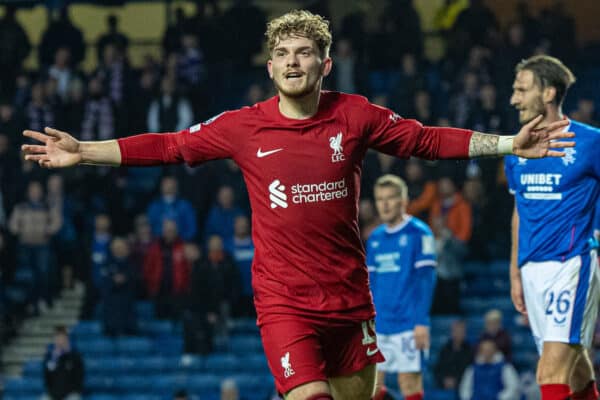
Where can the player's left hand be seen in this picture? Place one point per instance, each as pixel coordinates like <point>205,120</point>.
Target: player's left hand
<point>421,333</point>
<point>534,142</point>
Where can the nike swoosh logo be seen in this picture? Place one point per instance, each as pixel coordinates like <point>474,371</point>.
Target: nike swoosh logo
<point>371,352</point>
<point>261,154</point>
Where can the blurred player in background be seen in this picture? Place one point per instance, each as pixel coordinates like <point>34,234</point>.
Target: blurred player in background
<point>554,266</point>
<point>401,262</point>
<point>301,155</point>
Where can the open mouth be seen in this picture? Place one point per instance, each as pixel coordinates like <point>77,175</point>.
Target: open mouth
<point>293,75</point>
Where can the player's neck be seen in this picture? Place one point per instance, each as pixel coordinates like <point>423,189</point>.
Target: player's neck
<point>394,224</point>
<point>299,108</point>
<point>553,114</point>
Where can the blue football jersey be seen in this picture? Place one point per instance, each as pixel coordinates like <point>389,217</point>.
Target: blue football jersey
<point>556,198</point>
<point>400,262</point>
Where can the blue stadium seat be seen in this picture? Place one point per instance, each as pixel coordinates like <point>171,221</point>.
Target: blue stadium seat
<point>169,345</point>
<point>144,310</point>
<point>24,386</point>
<point>103,396</point>
<point>220,363</point>
<point>87,329</point>
<point>440,394</point>
<point>204,383</point>
<point>23,276</point>
<point>155,327</point>
<point>98,346</point>
<point>8,396</point>
<point>33,369</point>
<point>134,346</point>
<point>256,363</point>
<point>245,344</point>
<point>191,362</point>
<point>133,383</point>
<point>99,383</point>
<point>442,323</point>
<point>243,326</point>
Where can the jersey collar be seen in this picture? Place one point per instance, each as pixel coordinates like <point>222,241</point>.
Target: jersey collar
<point>398,228</point>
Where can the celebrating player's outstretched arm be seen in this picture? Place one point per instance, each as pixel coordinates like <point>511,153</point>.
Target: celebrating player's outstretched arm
<point>60,150</point>
<point>530,142</point>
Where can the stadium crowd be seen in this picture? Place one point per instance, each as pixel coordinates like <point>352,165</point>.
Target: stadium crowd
<point>180,236</point>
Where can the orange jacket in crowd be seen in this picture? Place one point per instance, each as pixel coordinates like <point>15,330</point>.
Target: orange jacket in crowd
<point>458,218</point>
<point>424,202</point>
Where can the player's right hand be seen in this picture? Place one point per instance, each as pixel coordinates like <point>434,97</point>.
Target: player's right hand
<point>58,149</point>
<point>516,293</point>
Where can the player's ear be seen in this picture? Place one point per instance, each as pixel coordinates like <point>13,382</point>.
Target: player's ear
<point>326,66</point>
<point>270,68</point>
<point>549,94</point>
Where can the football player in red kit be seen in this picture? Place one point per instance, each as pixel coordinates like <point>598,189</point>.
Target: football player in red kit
<point>301,154</point>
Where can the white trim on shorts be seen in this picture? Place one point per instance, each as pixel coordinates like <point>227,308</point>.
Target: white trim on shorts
<point>400,353</point>
<point>562,299</point>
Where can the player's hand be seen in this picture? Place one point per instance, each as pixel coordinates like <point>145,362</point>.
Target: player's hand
<point>516,293</point>
<point>533,142</point>
<point>57,149</point>
<point>421,333</point>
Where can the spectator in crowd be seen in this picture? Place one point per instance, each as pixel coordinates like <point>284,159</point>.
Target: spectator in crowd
<point>167,272</point>
<point>215,288</point>
<point>454,357</point>
<point>411,80</point>
<point>422,108</point>
<point>63,369</point>
<point>245,24</point>
<point>116,76</point>
<point>465,101</point>
<point>74,106</point>
<point>478,22</point>
<point>488,116</point>
<point>39,112</point>
<point>493,330</point>
<point>229,390</point>
<point>490,377</point>
<point>14,48</point>
<point>421,189</point>
<point>10,171</point>
<point>61,32</point>
<point>118,291</point>
<point>112,36</point>
<point>451,221</point>
<point>62,72</point>
<point>169,112</point>
<point>171,41</point>
<point>242,252</point>
<point>191,70</point>
<point>198,322</point>
<point>585,112</point>
<point>34,223</point>
<point>170,206</point>
<point>99,115</point>
<point>221,217</point>
<point>11,122</point>
<point>65,240</point>
<point>99,249</point>
<point>349,75</point>
<point>139,243</point>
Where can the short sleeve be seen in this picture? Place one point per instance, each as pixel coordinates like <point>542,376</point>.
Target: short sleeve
<point>425,250</point>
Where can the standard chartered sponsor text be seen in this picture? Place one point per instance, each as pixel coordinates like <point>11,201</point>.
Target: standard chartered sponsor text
<point>316,192</point>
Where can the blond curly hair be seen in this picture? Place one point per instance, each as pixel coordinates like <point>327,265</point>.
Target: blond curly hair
<point>300,23</point>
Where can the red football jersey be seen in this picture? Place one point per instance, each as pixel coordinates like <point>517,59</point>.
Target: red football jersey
<point>303,180</point>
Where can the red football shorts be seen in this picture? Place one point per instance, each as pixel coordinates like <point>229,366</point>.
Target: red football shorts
<point>304,350</point>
